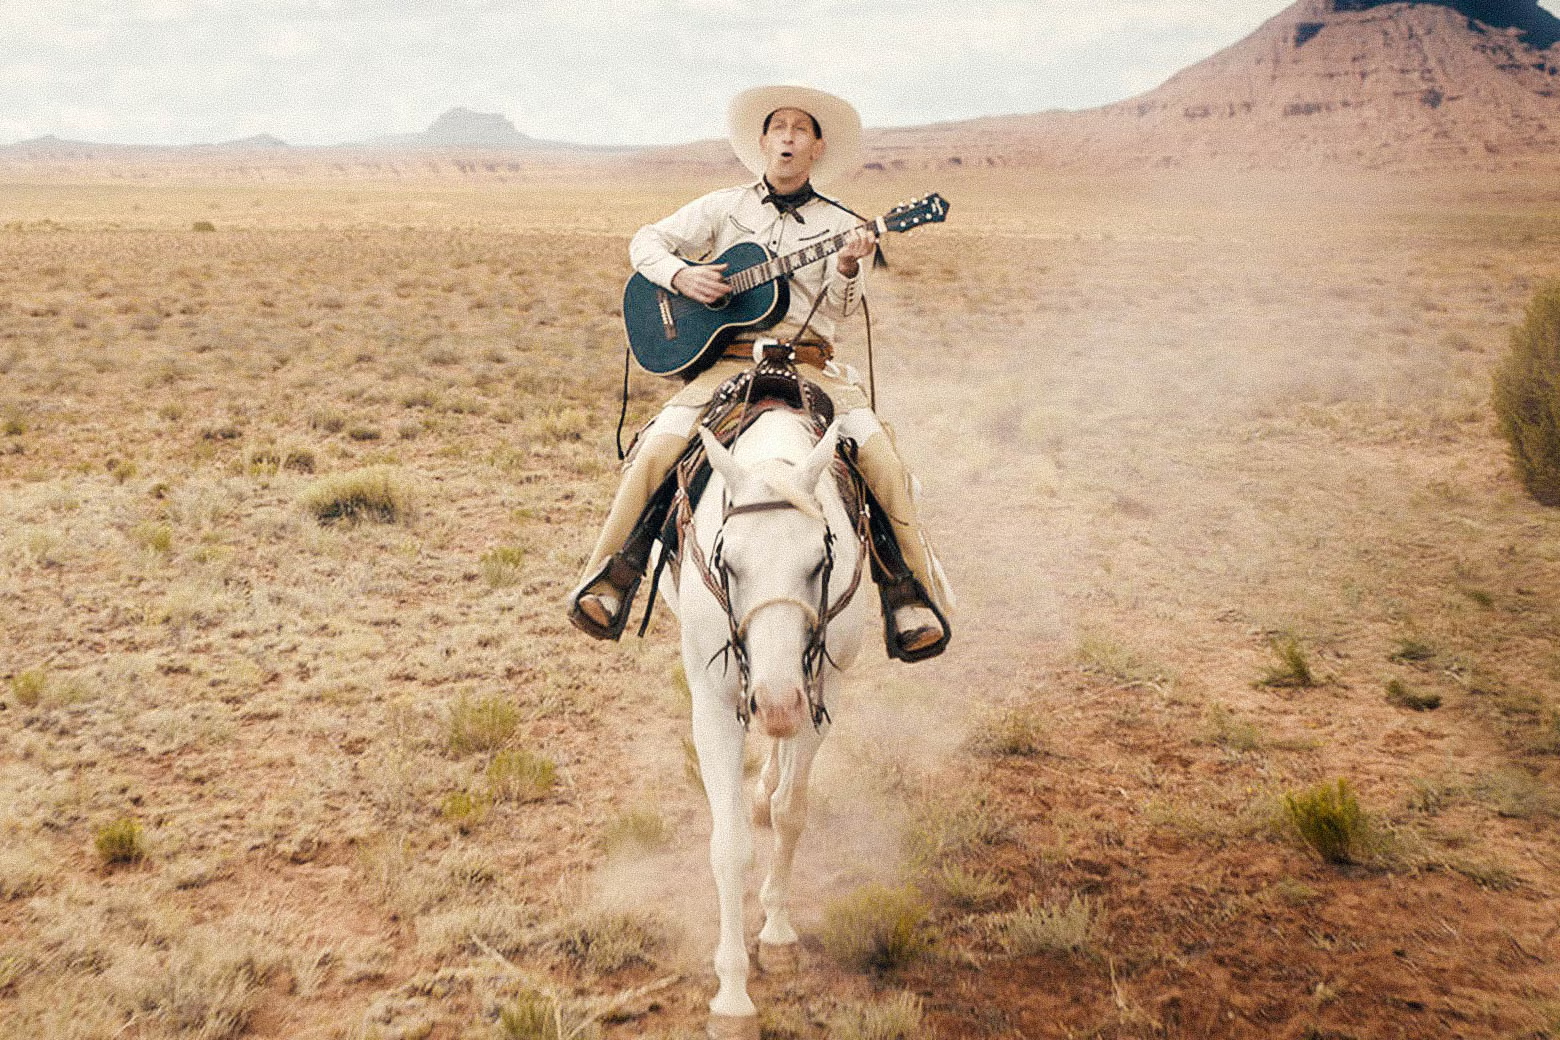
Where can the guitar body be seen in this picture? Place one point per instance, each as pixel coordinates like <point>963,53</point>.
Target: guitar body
<point>671,334</point>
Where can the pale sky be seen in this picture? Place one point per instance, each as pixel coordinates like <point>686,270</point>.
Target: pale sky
<point>634,72</point>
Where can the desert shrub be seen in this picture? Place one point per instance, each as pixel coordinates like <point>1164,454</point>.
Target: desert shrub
<point>897,1018</point>
<point>156,538</point>
<point>28,687</point>
<point>501,566</point>
<point>203,225</point>
<point>1404,696</point>
<point>1328,818</point>
<point>1527,396</point>
<point>520,776</point>
<point>877,928</point>
<point>364,433</point>
<point>121,841</point>
<point>377,493</point>
<point>1040,927</point>
<point>485,724</point>
<point>464,809</point>
<point>1293,668</point>
<point>609,941</point>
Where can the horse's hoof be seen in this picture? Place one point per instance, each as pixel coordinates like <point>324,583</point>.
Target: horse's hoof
<point>779,958</point>
<point>733,1027</point>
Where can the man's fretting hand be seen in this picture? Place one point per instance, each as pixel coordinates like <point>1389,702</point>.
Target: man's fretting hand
<point>705,283</point>
<point>860,245</point>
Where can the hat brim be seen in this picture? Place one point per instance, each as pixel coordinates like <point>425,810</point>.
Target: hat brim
<point>840,124</point>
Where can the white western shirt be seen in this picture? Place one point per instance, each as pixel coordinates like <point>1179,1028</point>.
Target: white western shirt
<point>708,226</point>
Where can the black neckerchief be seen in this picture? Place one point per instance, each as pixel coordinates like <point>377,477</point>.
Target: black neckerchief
<point>792,202</point>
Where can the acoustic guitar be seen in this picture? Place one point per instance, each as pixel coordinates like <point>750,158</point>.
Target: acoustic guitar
<point>671,334</point>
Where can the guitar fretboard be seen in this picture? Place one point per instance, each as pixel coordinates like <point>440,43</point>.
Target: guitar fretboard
<point>780,266</point>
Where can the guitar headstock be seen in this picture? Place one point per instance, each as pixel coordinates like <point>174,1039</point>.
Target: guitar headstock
<point>931,209</point>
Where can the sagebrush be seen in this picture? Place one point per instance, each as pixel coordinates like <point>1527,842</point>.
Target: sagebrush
<point>1527,396</point>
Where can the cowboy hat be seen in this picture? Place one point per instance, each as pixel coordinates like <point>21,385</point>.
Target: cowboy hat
<point>840,124</point>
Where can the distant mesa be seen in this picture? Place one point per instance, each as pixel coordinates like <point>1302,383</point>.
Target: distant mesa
<point>463,128</point>
<point>258,141</point>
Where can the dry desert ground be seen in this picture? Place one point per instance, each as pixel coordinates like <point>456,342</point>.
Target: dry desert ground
<point>1210,460</point>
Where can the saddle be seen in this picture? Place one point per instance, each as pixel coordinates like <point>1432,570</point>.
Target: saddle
<point>771,384</point>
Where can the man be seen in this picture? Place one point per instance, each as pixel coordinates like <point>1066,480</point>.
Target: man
<point>790,137</point>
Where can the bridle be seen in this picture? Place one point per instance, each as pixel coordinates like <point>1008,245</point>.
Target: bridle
<point>717,578</point>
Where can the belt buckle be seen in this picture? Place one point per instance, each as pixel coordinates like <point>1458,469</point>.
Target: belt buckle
<point>767,348</point>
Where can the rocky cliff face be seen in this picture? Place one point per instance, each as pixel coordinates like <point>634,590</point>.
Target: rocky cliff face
<point>1361,82</point>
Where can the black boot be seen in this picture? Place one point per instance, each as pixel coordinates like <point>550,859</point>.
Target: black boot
<point>898,589</point>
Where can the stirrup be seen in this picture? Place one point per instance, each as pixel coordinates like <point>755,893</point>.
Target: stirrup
<point>907,592</point>
<point>622,575</point>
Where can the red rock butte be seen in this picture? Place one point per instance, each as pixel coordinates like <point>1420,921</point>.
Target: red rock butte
<point>1355,82</point>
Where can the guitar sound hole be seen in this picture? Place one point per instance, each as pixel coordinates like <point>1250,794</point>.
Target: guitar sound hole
<point>720,304</point>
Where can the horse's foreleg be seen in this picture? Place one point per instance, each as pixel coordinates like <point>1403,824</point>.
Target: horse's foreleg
<point>788,814</point>
<point>718,738</point>
<point>764,789</point>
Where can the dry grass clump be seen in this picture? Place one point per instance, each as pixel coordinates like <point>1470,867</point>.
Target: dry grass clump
<point>896,1018</point>
<point>1104,656</point>
<point>609,941</point>
<point>501,566</point>
<point>967,888</point>
<point>877,928</point>
<point>534,1015</point>
<point>23,873</point>
<point>1329,820</point>
<point>1412,651</point>
<point>485,724</point>
<point>377,493</point>
<point>636,830</point>
<point>520,776</point>
<point>1404,696</point>
<point>1233,734</point>
<point>121,841</point>
<point>1011,732</point>
<point>465,810</point>
<point>1039,927</point>
<point>1527,396</point>
<point>1293,669</point>
<point>944,828</point>
<point>28,687</point>
<point>154,538</point>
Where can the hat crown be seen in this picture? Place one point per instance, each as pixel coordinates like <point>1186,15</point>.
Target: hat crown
<point>837,120</point>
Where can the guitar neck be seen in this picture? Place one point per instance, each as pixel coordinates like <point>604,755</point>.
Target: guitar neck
<point>781,266</point>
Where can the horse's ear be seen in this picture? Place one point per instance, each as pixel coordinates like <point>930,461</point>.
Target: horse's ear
<point>721,460</point>
<point>817,461</point>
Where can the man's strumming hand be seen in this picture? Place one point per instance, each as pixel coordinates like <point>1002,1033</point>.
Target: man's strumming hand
<point>705,283</point>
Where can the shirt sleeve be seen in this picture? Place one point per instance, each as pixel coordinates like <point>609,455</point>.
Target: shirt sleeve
<point>842,296</point>
<point>658,250</point>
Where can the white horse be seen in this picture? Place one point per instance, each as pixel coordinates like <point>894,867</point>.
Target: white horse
<point>776,540</point>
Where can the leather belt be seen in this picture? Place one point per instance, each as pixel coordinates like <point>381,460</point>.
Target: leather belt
<point>814,352</point>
